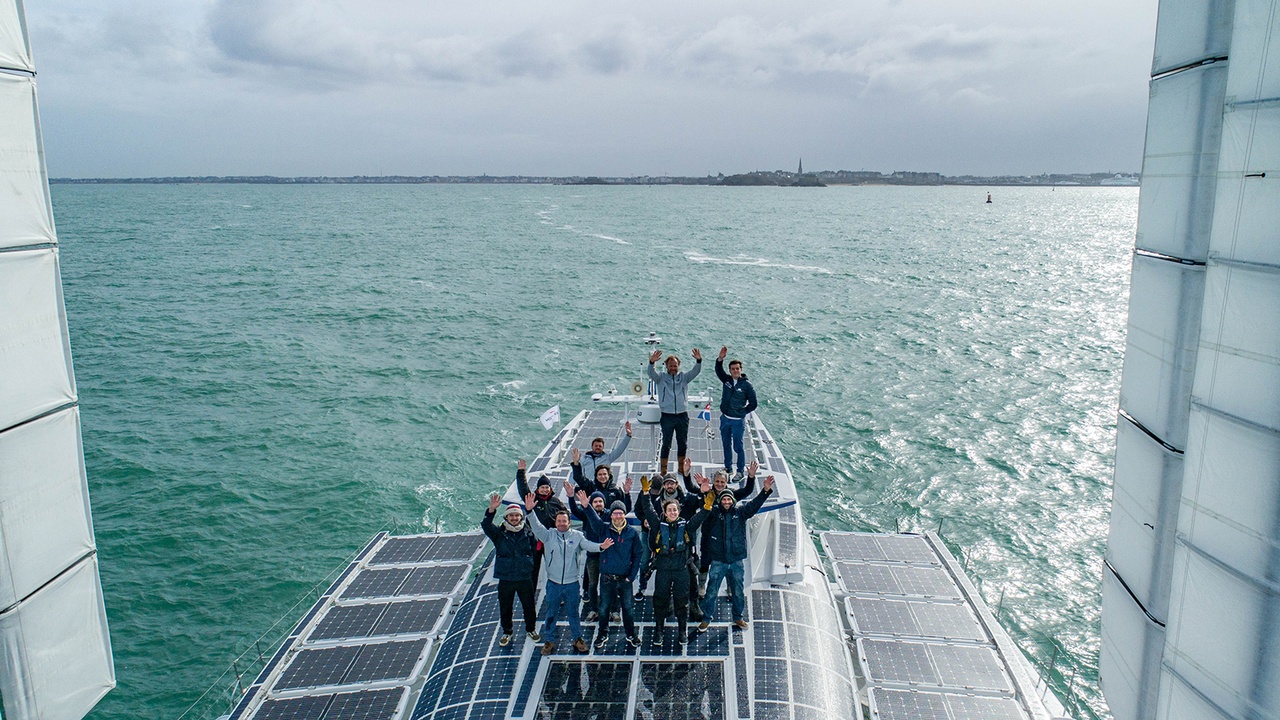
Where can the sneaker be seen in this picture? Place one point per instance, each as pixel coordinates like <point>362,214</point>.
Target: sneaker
<point>740,624</point>
<point>580,646</point>
<point>615,617</point>
<point>505,640</point>
<point>534,636</point>
<point>639,595</point>
<point>658,632</point>
<point>683,638</point>
<point>601,640</point>
<point>633,641</point>
<point>548,648</point>
<point>702,626</point>
<point>593,616</point>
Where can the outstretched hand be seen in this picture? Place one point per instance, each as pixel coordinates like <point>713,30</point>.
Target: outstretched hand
<point>752,468</point>
<point>686,465</point>
<point>581,496</point>
<point>626,485</point>
<point>653,357</point>
<point>608,543</point>
<point>628,427</point>
<point>576,455</point>
<point>704,484</point>
<point>568,489</point>
<point>768,483</point>
<point>494,501</point>
<point>724,350</point>
<point>530,500</point>
<point>697,354</point>
<point>700,479</point>
<point>520,464</point>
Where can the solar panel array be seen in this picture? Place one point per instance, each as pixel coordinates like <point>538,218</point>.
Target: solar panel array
<point>801,659</point>
<point>365,642</point>
<point>921,644</point>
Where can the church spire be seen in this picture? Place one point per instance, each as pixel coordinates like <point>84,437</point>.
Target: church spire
<point>800,170</point>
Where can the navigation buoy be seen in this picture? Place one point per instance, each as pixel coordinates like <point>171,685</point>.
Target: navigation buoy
<point>988,198</point>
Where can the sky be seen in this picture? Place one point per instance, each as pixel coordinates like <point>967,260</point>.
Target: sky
<point>144,88</point>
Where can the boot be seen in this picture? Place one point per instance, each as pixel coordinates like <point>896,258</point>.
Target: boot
<point>662,467</point>
<point>679,461</point>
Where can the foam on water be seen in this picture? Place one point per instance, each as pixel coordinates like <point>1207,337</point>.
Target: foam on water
<point>259,399</point>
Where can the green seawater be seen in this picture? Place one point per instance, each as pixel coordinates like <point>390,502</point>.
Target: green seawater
<point>269,375</point>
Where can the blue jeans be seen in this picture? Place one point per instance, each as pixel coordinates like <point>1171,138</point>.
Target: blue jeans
<point>616,587</point>
<point>715,575</point>
<point>731,432</point>
<point>568,595</point>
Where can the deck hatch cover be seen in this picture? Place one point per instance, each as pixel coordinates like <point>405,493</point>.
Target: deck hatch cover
<point>585,690</point>
<point>681,691</point>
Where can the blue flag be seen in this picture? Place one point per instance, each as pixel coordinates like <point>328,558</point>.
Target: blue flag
<point>706,413</point>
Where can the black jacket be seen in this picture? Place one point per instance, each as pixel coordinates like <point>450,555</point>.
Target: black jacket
<point>546,509</point>
<point>726,532</point>
<point>736,399</point>
<point>514,550</point>
<point>611,491</point>
<point>671,544</point>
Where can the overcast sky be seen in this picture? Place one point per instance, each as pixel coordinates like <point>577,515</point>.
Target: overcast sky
<point>343,87</point>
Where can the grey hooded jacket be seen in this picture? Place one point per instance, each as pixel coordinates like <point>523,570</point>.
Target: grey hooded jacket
<point>564,553</point>
<point>673,390</point>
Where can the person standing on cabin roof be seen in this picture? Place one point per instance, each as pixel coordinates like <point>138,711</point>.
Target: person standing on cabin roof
<point>671,543</point>
<point>589,511</point>
<point>673,401</point>
<point>513,545</point>
<point>566,551</point>
<point>547,508</point>
<point>603,484</point>
<point>596,457</point>
<point>737,399</point>
<point>727,546</point>
<point>619,566</point>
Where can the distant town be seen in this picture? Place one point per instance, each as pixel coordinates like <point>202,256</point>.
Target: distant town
<point>782,178</point>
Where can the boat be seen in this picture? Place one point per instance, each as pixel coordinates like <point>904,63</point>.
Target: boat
<point>847,625</point>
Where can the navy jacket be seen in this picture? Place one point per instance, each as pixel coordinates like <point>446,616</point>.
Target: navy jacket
<point>726,532</point>
<point>592,525</point>
<point>546,509</point>
<point>514,550</point>
<point>736,399</point>
<point>611,491</point>
<point>672,543</point>
<point>625,556</point>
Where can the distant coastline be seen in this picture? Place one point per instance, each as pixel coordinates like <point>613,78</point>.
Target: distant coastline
<point>768,178</point>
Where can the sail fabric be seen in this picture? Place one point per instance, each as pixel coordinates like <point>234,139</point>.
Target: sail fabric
<point>55,649</point>
<point>15,51</point>
<point>1189,31</point>
<point>1132,645</point>
<point>35,354</point>
<point>44,519</point>
<point>1141,544</point>
<point>26,217</point>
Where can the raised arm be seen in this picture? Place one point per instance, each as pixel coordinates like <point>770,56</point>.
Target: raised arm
<point>720,373</point>
<point>522,483</point>
<point>531,517</point>
<point>486,524</point>
<point>653,372</point>
<point>697,366</point>
<point>749,486</point>
<point>753,507</point>
<point>616,452</point>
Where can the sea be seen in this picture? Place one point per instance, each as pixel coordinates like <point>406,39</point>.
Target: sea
<point>271,374</point>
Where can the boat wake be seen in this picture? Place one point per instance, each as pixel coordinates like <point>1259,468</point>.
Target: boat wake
<point>697,257</point>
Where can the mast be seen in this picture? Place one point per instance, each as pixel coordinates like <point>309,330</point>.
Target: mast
<point>1191,582</point>
<point>55,653</point>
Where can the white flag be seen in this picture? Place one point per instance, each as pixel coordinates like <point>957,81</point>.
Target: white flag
<point>550,417</point>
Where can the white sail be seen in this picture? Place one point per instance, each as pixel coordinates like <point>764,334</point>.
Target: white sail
<point>1191,591</point>
<point>55,652</point>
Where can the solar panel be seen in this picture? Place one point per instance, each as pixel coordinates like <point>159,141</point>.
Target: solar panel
<point>799,608</point>
<point>899,662</point>
<point>366,705</point>
<point>341,623</point>
<point>915,618</point>
<point>498,678</point>
<point>742,681</point>
<point>772,711</point>
<point>488,711</point>
<point>414,616</point>
<point>867,546</point>
<point>766,604</point>
<point>435,580</point>
<point>681,690</point>
<point>585,690</point>
<point>800,638</point>
<point>386,661</point>
<point>401,550</point>
<point>877,579</point>
<point>788,548</point>
<point>316,668</point>
<point>462,683</point>
<point>376,583</point>
<point>714,642</point>
<point>984,708</point>
<point>907,705</point>
<point>303,708</point>
<point>966,666</point>
<point>457,548</point>
<point>772,680</point>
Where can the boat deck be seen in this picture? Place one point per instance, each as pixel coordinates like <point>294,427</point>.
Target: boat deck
<point>410,630</point>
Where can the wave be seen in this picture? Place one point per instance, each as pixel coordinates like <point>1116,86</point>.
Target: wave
<point>697,257</point>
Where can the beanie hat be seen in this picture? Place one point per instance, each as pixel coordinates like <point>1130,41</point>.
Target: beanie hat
<point>726,493</point>
<point>513,509</point>
<point>594,495</point>
<point>617,505</point>
<point>544,480</point>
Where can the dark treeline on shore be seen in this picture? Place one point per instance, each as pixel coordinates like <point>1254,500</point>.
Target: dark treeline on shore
<point>770,177</point>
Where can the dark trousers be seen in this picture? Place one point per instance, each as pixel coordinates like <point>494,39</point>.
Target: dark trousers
<point>537,564</point>
<point>507,591</point>
<point>616,589</point>
<point>591,581</point>
<point>672,594</point>
<point>675,424</point>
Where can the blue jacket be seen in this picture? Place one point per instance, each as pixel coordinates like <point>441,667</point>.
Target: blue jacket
<point>592,526</point>
<point>625,556</point>
<point>673,390</point>
<point>514,550</point>
<point>736,399</point>
<point>726,532</point>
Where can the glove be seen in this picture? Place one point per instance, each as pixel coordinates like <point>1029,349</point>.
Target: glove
<point>708,501</point>
<point>644,483</point>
